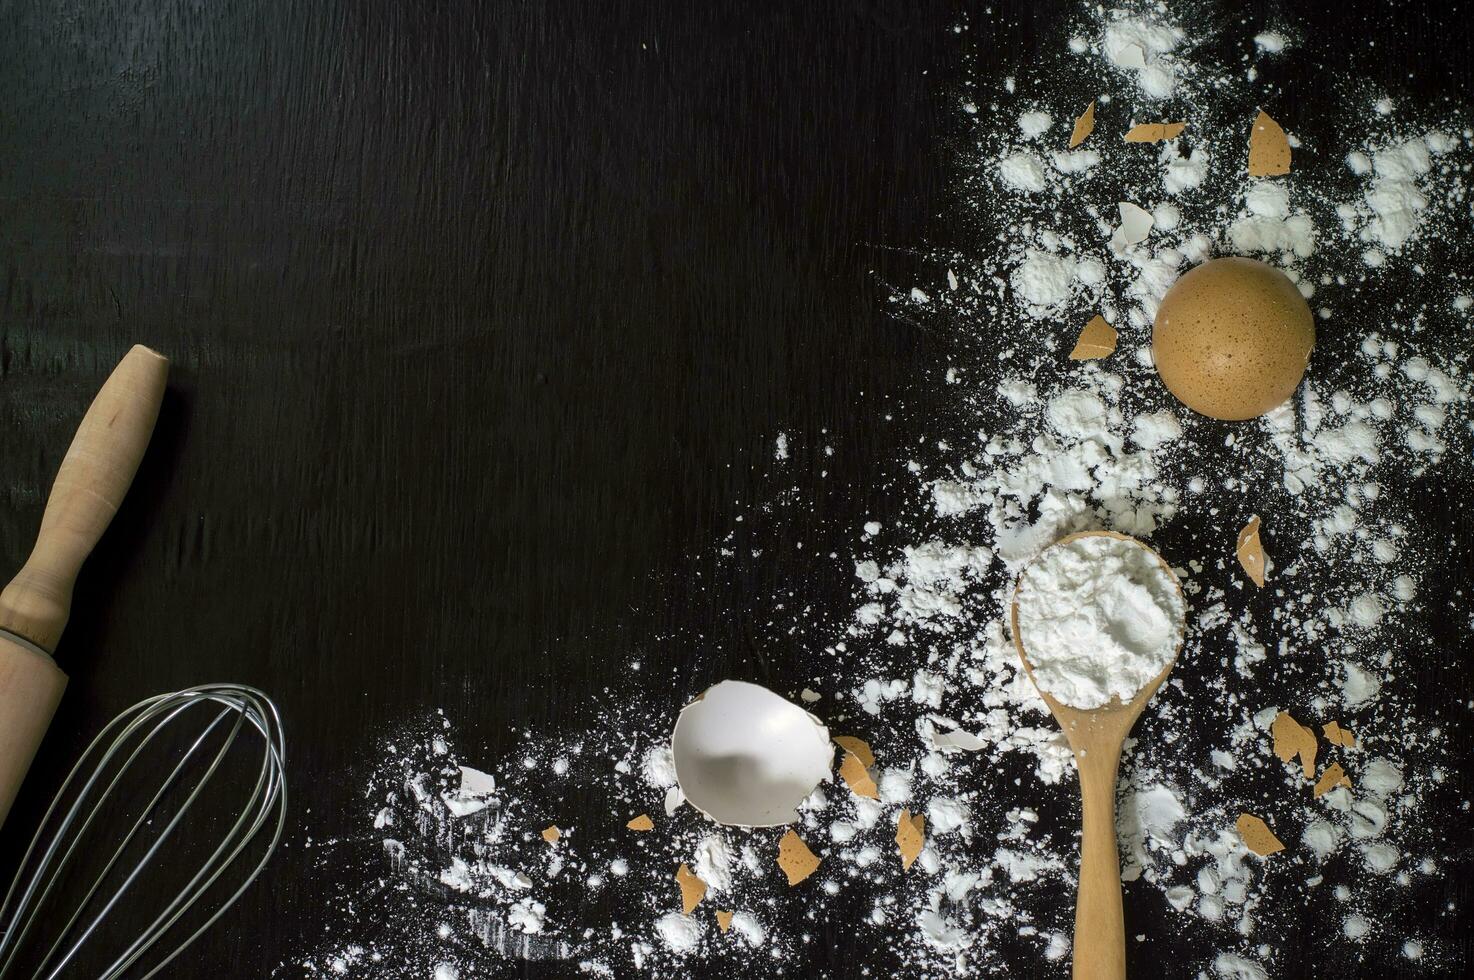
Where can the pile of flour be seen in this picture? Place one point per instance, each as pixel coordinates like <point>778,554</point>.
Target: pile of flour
<point>1023,447</point>
<point>1099,617</point>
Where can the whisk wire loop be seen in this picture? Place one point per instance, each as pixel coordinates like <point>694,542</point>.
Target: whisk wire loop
<point>107,761</point>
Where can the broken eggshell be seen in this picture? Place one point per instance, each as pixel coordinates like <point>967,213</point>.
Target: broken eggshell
<point>1136,225</point>
<point>747,757</point>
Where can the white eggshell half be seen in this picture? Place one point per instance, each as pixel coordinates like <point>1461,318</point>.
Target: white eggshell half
<point>747,757</point>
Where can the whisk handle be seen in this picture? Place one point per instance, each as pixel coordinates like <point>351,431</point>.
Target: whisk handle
<point>94,477</point>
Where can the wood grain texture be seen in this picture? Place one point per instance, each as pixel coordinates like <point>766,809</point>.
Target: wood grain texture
<point>483,318</point>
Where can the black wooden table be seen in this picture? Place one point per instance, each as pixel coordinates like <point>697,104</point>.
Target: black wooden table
<point>483,317</point>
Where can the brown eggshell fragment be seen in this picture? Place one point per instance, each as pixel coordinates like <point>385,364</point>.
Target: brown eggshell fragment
<point>1097,339</point>
<point>857,778</point>
<point>1337,735</point>
<point>1333,776</point>
<point>1257,835</point>
<point>1250,551</point>
<point>856,746</point>
<point>1293,739</point>
<point>1232,338</point>
<point>795,858</point>
<point>910,836</point>
<point>1084,125</point>
<point>693,889</point>
<point>1154,132</point>
<point>1269,148</point>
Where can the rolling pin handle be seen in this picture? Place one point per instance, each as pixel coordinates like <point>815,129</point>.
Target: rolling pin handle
<point>89,488</point>
<point>35,606</point>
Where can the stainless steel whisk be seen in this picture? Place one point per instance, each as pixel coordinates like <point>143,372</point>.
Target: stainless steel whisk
<point>238,710</point>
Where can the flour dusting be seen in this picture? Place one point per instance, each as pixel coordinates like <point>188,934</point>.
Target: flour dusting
<point>1022,447</point>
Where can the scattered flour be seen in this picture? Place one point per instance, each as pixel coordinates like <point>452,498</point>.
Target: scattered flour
<point>680,932</point>
<point>1143,47</point>
<point>1023,448</point>
<point>714,863</point>
<point>1034,124</point>
<point>1270,43</point>
<point>1024,171</point>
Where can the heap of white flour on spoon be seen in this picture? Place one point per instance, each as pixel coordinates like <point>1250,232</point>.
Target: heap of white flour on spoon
<point>1100,617</point>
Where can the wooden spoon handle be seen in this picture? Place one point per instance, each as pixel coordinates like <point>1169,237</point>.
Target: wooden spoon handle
<point>1100,928</point>
<point>90,485</point>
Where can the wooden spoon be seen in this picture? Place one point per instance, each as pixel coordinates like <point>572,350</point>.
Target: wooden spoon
<point>1096,736</point>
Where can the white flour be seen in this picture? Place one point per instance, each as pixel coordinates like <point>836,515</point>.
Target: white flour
<point>1023,447</point>
<point>680,933</point>
<point>1270,43</point>
<point>1143,47</point>
<point>1396,200</point>
<point>1099,618</point>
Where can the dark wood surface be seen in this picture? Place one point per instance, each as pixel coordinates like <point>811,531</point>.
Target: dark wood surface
<point>483,317</point>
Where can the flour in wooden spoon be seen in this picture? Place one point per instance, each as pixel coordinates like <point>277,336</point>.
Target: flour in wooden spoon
<point>1100,617</point>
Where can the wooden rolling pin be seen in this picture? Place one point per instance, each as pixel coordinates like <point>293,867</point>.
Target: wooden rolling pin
<point>34,608</point>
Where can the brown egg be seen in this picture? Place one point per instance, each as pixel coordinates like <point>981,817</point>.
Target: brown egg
<point>1232,338</point>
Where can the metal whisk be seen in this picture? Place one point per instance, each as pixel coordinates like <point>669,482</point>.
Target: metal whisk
<point>64,837</point>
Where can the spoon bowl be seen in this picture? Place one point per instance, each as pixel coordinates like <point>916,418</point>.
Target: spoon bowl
<point>1096,736</point>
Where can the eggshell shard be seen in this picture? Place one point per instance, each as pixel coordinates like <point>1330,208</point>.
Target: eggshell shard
<point>1232,338</point>
<point>910,837</point>
<point>795,858</point>
<point>857,747</point>
<point>1250,551</point>
<point>1097,339</point>
<point>1084,125</point>
<point>1269,148</point>
<point>1257,835</point>
<point>957,740</point>
<point>1337,735</point>
<point>1154,132</point>
<point>693,889</point>
<point>747,757</point>
<point>1333,776</point>
<point>1131,56</point>
<point>473,795</point>
<point>852,770</point>
<point>1291,739</point>
<point>1136,225</point>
